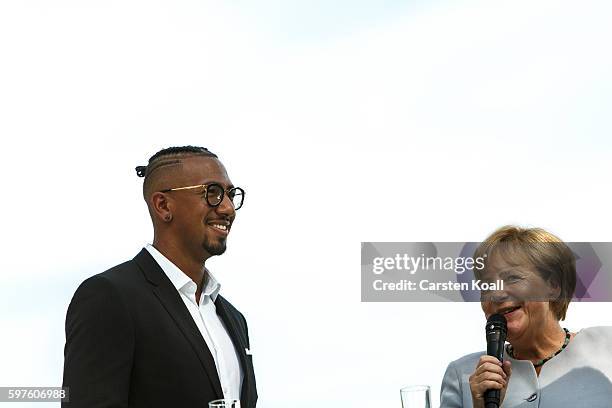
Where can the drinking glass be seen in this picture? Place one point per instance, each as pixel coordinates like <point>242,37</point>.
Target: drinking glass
<point>416,396</point>
<point>224,403</point>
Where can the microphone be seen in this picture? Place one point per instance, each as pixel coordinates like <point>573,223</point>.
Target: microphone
<point>496,330</point>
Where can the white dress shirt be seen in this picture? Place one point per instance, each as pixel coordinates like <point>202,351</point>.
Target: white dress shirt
<point>210,325</point>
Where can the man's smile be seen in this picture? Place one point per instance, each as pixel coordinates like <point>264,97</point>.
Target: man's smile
<point>221,227</point>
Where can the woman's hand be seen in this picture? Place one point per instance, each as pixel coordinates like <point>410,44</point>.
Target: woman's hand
<point>489,374</point>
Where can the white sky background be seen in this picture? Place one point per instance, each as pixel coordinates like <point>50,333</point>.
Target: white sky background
<point>358,121</point>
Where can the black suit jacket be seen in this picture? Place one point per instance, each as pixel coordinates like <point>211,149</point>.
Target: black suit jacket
<point>131,342</point>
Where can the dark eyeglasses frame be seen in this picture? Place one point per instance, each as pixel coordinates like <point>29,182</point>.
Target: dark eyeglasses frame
<point>205,187</point>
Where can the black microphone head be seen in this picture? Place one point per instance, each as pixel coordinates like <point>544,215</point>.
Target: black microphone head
<point>497,322</point>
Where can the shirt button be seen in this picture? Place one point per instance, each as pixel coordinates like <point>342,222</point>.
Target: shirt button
<point>532,397</point>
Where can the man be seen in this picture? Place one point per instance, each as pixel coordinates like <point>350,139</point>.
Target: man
<point>153,331</point>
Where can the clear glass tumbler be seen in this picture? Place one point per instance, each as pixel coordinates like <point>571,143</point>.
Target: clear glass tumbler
<point>416,396</point>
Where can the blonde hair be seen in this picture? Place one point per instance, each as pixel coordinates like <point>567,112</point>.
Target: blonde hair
<point>552,259</point>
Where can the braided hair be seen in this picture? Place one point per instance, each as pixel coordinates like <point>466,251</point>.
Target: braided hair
<point>166,158</point>
<point>170,156</point>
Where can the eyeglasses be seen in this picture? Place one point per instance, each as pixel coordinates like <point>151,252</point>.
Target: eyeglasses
<point>214,193</point>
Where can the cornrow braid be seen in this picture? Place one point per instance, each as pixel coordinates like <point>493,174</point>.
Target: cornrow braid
<point>171,156</point>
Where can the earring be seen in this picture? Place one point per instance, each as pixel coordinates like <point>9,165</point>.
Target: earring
<point>168,217</point>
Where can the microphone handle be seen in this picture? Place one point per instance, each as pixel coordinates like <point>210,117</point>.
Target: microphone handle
<point>495,348</point>
<point>492,398</point>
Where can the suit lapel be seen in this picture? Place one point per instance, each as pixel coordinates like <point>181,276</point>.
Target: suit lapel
<point>240,343</point>
<point>172,302</point>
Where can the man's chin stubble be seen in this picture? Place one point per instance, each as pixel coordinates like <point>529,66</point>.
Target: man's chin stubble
<point>215,249</point>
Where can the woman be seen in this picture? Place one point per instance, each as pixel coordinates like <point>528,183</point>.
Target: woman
<point>544,365</point>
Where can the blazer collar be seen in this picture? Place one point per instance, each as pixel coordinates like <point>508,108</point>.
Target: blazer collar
<point>170,299</point>
<point>179,279</point>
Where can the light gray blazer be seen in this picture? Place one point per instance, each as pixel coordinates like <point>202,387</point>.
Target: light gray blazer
<point>579,376</point>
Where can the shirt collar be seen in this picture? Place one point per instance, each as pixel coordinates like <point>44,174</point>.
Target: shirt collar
<point>180,280</point>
